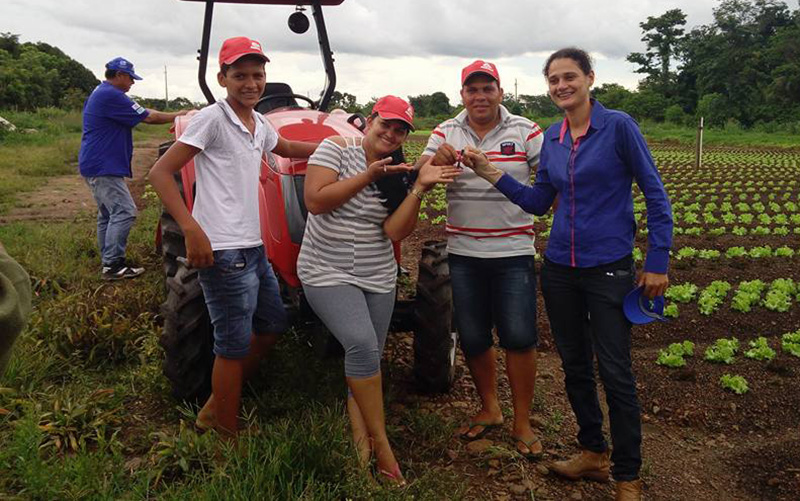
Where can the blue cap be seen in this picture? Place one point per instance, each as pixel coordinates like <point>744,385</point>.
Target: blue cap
<point>123,65</point>
<point>641,310</point>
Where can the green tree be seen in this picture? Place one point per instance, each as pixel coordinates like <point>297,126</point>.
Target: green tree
<point>731,57</point>
<point>39,75</point>
<point>782,92</point>
<point>674,114</point>
<point>645,104</point>
<point>714,109</point>
<point>612,95</point>
<point>426,105</point>
<point>662,37</point>
<point>345,101</point>
<point>512,105</point>
<point>538,106</point>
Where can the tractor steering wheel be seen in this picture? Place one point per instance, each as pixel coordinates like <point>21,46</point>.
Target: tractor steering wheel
<point>312,104</point>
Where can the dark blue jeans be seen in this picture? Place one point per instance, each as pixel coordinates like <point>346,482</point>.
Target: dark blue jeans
<point>500,292</point>
<point>585,310</point>
<point>243,298</point>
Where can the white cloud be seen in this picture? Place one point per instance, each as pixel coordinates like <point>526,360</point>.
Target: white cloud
<point>403,47</point>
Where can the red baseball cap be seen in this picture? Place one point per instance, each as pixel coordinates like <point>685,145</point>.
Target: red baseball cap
<point>394,108</point>
<point>236,47</point>
<point>480,66</point>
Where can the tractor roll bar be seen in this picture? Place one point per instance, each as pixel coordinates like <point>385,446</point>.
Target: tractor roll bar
<point>322,36</point>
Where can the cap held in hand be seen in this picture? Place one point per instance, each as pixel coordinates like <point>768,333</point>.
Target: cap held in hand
<point>641,310</point>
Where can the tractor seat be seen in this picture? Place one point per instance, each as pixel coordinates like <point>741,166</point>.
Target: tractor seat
<point>274,88</point>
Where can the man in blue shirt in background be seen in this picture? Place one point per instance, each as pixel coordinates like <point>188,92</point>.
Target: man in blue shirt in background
<point>109,117</point>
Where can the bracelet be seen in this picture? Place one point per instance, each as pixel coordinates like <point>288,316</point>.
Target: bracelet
<point>417,193</point>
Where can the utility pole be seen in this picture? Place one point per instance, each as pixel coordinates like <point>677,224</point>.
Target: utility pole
<point>516,97</point>
<point>166,89</point>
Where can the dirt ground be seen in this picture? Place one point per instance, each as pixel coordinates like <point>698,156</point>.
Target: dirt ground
<point>700,442</point>
<point>62,198</point>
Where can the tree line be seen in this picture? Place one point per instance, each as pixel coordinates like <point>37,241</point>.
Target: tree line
<point>743,68</point>
<point>38,75</point>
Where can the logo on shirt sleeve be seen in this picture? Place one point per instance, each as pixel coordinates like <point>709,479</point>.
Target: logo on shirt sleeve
<point>137,108</point>
<point>507,148</point>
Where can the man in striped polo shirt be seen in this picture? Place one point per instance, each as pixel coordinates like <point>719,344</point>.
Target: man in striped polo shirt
<point>490,250</point>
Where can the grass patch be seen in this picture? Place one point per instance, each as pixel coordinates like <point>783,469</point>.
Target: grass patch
<point>86,411</point>
<point>45,144</point>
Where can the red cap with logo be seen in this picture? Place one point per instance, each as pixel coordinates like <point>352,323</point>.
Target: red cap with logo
<point>237,47</point>
<point>480,66</point>
<point>394,108</point>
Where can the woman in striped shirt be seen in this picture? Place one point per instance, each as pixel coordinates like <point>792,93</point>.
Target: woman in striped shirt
<point>358,204</point>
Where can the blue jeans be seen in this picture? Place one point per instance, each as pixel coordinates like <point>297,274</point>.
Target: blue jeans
<point>116,214</point>
<point>498,292</point>
<point>584,306</point>
<point>243,298</point>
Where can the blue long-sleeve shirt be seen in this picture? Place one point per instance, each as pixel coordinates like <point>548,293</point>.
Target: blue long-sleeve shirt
<point>594,222</point>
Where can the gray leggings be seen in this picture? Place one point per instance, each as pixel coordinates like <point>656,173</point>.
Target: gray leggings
<point>358,319</point>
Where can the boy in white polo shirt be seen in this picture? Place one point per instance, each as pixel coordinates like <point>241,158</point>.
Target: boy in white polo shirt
<point>223,234</point>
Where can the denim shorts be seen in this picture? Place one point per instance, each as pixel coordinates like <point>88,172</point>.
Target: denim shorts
<point>498,292</point>
<point>243,298</point>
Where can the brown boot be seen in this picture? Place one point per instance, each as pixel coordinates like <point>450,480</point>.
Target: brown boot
<point>587,464</point>
<point>629,491</point>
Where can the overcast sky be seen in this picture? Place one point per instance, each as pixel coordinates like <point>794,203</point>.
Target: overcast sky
<point>402,47</point>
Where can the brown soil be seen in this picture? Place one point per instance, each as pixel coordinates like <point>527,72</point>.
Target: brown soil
<point>700,441</point>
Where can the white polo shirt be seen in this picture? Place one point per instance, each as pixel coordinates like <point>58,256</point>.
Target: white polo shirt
<point>481,221</point>
<point>227,172</point>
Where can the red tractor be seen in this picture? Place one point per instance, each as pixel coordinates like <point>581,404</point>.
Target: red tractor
<point>187,336</point>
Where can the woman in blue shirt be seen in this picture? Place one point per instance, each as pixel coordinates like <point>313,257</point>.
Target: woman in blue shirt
<point>590,161</point>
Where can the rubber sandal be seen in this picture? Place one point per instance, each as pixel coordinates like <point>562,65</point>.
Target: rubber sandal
<point>529,444</point>
<point>393,478</point>
<point>487,427</point>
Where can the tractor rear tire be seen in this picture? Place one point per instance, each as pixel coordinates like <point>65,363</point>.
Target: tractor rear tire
<point>435,336</point>
<point>188,336</point>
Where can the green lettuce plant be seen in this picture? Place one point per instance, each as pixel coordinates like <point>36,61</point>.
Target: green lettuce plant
<point>736,384</point>
<point>760,350</point>
<point>674,355</point>
<point>790,343</point>
<point>722,351</point>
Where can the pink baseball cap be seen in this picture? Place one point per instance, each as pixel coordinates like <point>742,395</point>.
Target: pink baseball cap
<point>394,108</point>
<point>480,66</point>
<point>236,47</point>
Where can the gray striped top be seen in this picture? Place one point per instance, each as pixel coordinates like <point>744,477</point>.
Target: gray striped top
<point>348,244</point>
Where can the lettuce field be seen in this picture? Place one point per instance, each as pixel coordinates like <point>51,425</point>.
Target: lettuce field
<point>727,363</point>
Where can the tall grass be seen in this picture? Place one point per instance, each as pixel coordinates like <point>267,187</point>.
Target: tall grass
<point>85,411</point>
